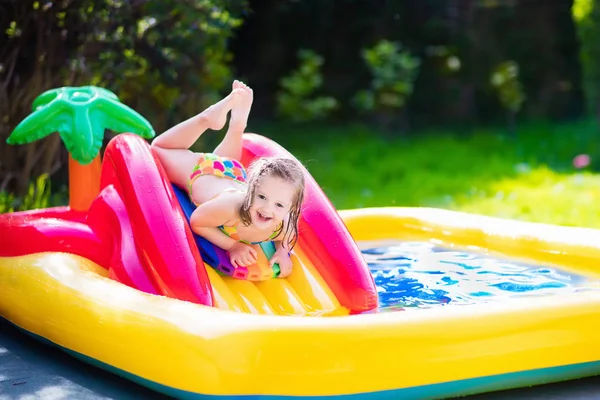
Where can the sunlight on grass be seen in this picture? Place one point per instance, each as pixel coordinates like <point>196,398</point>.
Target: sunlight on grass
<point>484,172</point>
<point>540,195</point>
<point>481,171</point>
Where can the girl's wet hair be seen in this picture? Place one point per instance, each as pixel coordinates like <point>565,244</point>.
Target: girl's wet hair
<point>284,168</point>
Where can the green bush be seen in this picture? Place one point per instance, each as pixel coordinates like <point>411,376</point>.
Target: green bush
<point>505,80</point>
<point>37,196</point>
<point>296,99</point>
<point>586,14</point>
<point>393,72</point>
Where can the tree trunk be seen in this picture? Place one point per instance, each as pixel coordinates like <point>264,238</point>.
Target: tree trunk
<point>84,183</point>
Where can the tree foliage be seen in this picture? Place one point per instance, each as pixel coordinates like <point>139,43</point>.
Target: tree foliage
<point>164,58</point>
<point>168,59</point>
<point>297,99</point>
<point>587,15</point>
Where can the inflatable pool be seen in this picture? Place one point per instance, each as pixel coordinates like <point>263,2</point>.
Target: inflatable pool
<point>128,287</point>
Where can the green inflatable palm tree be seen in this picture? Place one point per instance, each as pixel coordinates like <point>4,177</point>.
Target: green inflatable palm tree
<point>80,115</point>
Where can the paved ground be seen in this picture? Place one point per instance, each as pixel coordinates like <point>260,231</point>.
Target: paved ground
<point>30,370</point>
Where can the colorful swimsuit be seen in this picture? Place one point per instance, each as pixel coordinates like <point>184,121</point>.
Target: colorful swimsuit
<point>212,164</point>
<point>224,167</point>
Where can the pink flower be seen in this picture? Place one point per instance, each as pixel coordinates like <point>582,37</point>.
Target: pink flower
<point>581,161</point>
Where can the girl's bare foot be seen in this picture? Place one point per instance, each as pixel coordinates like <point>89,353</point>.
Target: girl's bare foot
<point>242,105</point>
<point>215,116</point>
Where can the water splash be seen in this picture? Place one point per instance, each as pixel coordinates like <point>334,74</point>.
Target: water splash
<point>414,275</point>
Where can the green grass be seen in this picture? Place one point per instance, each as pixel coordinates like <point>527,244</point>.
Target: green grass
<point>531,178</point>
<point>482,172</point>
<point>37,196</point>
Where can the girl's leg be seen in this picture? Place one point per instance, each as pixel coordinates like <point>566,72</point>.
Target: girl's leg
<point>172,146</point>
<point>185,134</point>
<point>231,145</point>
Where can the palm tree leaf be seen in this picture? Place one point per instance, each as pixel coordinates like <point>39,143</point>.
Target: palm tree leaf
<point>103,92</point>
<point>120,118</point>
<point>45,98</point>
<point>52,118</point>
<point>81,124</point>
<point>51,94</point>
<point>84,137</point>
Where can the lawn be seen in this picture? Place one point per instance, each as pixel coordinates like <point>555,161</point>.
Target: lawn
<point>485,172</point>
<point>530,178</point>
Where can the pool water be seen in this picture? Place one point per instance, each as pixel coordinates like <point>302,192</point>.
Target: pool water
<point>415,275</point>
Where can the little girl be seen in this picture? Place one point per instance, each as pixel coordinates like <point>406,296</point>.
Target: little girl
<point>234,209</point>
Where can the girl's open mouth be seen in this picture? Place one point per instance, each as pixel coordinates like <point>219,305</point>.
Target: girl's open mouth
<point>262,218</point>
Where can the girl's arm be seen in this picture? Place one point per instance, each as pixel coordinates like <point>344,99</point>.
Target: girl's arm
<point>216,237</point>
<point>282,254</point>
<point>205,221</point>
<point>279,242</point>
<point>279,245</point>
<point>208,216</point>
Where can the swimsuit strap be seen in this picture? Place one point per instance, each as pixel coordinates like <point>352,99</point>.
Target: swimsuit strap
<point>231,231</point>
<point>277,231</point>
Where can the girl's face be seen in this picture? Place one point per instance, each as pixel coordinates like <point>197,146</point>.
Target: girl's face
<point>272,201</point>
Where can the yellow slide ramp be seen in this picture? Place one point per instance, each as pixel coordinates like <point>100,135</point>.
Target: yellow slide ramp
<point>304,292</point>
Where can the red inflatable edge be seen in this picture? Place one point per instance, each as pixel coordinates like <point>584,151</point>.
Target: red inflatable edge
<point>162,254</point>
<point>158,223</point>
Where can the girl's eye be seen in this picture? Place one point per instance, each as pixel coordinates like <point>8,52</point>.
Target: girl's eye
<point>260,196</point>
<point>279,205</point>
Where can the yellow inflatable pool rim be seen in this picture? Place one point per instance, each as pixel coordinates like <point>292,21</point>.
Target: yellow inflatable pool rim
<point>259,342</point>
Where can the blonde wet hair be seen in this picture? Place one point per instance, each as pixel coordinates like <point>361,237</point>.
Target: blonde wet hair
<point>286,169</point>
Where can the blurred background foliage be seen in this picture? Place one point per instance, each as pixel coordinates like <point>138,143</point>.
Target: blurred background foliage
<point>428,102</point>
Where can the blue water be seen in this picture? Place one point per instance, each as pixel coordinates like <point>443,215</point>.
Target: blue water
<point>413,275</point>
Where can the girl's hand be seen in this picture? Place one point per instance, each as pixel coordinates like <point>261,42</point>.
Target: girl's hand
<point>285,262</point>
<point>242,255</point>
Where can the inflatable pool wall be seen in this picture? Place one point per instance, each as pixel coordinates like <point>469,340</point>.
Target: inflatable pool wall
<point>89,283</point>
